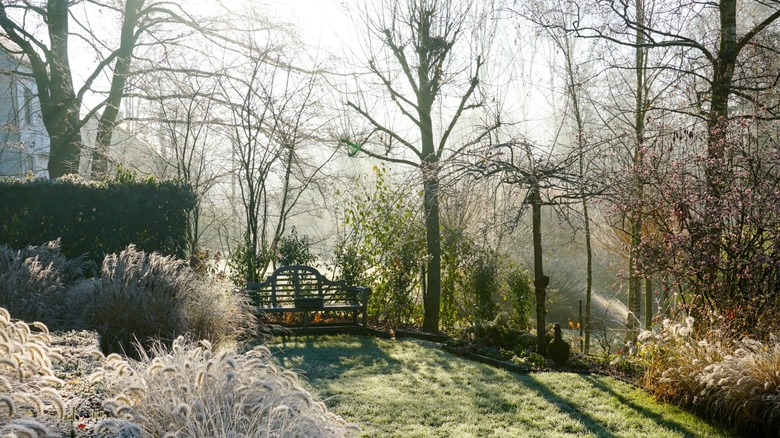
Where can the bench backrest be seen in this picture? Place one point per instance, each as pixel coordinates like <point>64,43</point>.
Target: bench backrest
<point>290,283</point>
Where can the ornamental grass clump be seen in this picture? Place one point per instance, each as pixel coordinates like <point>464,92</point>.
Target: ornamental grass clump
<point>674,358</point>
<point>28,386</point>
<point>743,389</point>
<point>191,390</point>
<point>140,297</point>
<point>735,382</point>
<point>34,280</point>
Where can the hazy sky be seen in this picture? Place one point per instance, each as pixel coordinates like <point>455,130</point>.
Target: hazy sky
<point>324,25</point>
<point>318,21</point>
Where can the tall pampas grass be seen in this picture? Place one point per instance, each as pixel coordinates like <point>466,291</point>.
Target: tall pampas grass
<point>743,389</point>
<point>673,359</point>
<point>186,389</point>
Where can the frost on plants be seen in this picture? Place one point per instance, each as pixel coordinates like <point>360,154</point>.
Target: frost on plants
<point>28,386</point>
<point>191,390</point>
<point>146,296</point>
<point>734,381</point>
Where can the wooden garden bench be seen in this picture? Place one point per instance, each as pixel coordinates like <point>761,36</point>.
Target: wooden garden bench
<point>303,289</point>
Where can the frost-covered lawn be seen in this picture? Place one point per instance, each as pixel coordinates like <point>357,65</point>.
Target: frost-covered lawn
<point>413,388</point>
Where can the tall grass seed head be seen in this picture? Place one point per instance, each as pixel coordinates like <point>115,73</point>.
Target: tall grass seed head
<point>9,404</point>
<point>41,327</point>
<point>5,317</point>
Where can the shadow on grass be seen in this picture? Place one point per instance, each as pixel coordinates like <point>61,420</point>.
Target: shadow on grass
<point>563,405</point>
<point>641,410</point>
<point>432,378</point>
<point>329,361</point>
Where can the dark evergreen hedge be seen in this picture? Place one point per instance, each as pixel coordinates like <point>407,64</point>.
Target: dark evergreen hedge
<point>96,218</point>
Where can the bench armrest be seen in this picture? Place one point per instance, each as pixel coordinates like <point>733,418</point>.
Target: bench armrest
<point>253,289</point>
<point>361,294</point>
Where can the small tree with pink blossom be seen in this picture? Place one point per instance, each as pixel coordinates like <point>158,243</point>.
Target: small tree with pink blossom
<point>718,223</point>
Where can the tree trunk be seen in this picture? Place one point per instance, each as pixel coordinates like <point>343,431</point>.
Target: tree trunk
<point>432,294</point>
<point>572,85</point>
<point>65,145</point>
<point>723,72</point>
<point>430,169</point>
<point>540,280</point>
<point>634,290</point>
<point>666,305</point>
<point>60,106</point>
<point>649,304</point>
<point>589,280</point>
<point>108,120</point>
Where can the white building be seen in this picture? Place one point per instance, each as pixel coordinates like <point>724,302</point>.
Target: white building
<point>24,143</point>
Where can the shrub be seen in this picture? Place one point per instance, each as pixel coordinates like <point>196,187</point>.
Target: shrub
<point>33,282</point>
<point>457,252</point>
<point>483,284</point>
<point>97,218</point>
<point>714,216</point>
<point>141,297</point>
<point>522,297</point>
<point>208,264</point>
<point>247,265</point>
<point>351,267</point>
<point>530,359</point>
<point>383,244</point>
<point>502,332</point>
<point>295,250</point>
<point>394,298</point>
<point>193,391</point>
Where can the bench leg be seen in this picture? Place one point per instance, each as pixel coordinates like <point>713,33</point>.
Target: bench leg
<point>365,317</point>
<point>305,319</point>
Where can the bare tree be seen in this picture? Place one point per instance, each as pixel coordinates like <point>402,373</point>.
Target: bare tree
<point>576,100</point>
<point>548,180</point>
<point>727,65</point>
<point>189,134</point>
<point>272,120</point>
<point>639,81</point>
<point>418,68</point>
<point>49,55</point>
<point>722,67</point>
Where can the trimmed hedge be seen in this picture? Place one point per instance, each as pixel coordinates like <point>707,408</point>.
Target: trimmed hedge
<point>96,218</point>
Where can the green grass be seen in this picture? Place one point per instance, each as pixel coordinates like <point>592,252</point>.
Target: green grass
<point>413,388</point>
